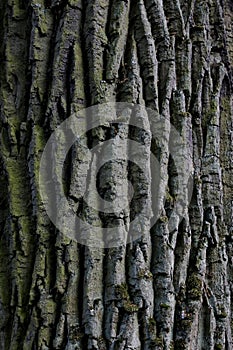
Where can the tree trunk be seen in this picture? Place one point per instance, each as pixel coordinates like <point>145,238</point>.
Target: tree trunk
<point>167,289</point>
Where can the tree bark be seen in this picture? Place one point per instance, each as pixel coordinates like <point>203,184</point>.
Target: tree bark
<point>165,290</point>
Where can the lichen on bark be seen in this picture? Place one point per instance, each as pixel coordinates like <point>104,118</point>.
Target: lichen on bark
<point>165,290</point>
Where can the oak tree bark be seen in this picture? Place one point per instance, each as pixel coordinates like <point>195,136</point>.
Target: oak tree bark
<point>164,290</point>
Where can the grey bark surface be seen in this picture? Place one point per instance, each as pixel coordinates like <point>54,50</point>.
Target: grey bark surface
<point>164,290</point>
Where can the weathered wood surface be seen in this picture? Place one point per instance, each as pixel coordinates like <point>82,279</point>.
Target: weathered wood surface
<point>163,291</point>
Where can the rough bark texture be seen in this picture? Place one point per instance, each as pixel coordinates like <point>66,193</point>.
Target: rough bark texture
<point>163,291</point>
